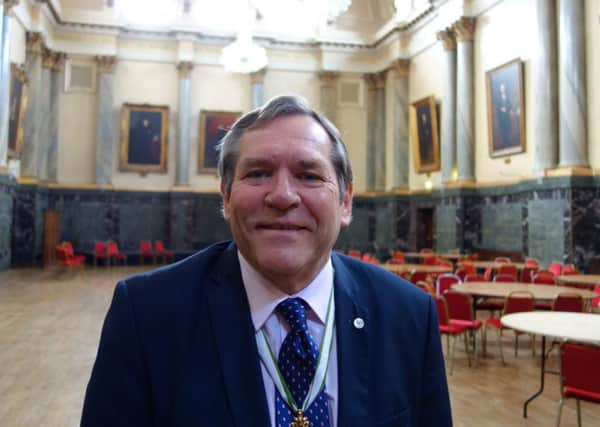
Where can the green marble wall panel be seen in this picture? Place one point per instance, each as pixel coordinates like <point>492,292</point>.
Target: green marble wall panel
<point>545,231</point>
<point>6,207</point>
<point>501,227</point>
<point>445,228</point>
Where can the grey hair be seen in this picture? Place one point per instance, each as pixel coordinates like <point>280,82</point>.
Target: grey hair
<point>285,105</point>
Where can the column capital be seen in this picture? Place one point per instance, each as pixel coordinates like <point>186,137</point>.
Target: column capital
<point>448,38</point>
<point>106,63</point>
<point>19,72</point>
<point>464,29</point>
<point>375,80</point>
<point>58,60</point>
<point>185,69</point>
<point>328,78</point>
<point>258,76</point>
<point>400,67</point>
<point>47,58</point>
<point>8,5</point>
<point>34,41</point>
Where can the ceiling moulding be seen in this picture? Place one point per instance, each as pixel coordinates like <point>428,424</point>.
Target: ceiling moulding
<point>53,9</point>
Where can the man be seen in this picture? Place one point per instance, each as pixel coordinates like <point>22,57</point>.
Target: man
<point>274,329</point>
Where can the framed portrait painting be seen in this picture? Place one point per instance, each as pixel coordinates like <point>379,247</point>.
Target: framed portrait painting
<point>424,132</point>
<point>505,106</point>
<point>144,138</point>
<point>18,106</point>
<point>213,127</point>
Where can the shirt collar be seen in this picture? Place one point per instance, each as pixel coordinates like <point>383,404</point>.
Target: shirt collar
<point>264,296</point>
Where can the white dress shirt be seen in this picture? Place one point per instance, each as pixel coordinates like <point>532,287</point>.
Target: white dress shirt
<point>264,297</point>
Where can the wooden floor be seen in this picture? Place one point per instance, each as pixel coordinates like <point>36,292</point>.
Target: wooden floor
<point>50,321</point>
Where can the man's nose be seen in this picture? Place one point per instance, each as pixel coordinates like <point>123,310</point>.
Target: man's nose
<point>283,193</point>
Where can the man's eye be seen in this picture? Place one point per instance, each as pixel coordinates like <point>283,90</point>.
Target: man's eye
<point>257,174</point>
<point>310,177</point>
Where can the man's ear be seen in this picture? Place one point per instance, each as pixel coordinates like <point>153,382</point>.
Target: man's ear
<point>225,197</point>
<point>346,216</point>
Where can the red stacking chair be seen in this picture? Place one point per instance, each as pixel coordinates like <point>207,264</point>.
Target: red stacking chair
<point>354,253</point>
<point>569,270</point>
<point>580,376</point>
<point>460,311</point>
<point>417,276</point>
<point>505,278</point>
<point>532,262</point>
<point>397,258</point>
<point>566,301</point>
<point>430,260</point>
<point>516,302</point>
<point>509,269</point>
<point>527,274</point>
<point>450,330</point>
<point>115,254</point>
<point>544,278</point>
<point>596,301</point>
<point>160,251</point>
<point>66,256</point>
<point>146,251</point>
<point>425,286</point>
<point>100,252</point>
<point>556,268</point>
<point>475,278</point>
<point>444,282</point>
<point>461,273</point>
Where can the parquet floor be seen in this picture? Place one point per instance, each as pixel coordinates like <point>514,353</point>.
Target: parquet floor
<point>50,322</point>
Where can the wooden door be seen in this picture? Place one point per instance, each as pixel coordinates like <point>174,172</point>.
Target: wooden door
<point>424,228</point>
<point>51,234</point>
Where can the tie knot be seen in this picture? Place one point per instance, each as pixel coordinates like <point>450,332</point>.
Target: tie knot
<point>292,309</point>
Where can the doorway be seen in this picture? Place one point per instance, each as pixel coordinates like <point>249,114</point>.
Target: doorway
<point>424,228</point>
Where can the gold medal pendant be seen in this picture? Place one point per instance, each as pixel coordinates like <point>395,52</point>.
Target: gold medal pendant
<point>300,420</point>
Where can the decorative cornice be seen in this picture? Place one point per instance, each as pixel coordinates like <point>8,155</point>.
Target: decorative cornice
<point>258,76</point>
<point>375,80</point>
<point>400,67</point>
<point>328,78</point>
<point>9,4</point>
<point>464,29</point>
<point>106,63</point>
<point>34,41</point>
<point>447,38</point>
<point>185,69</point>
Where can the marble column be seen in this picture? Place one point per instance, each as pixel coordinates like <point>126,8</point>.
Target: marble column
<point>448,105</point>
<point>45,116</point>
<point>400,72</point>
<point>464,30</point>
<point>5,9</point>
<point>106,121</point>
<point>328,92</point>
<point>376,167</point>
<point>183,123</point>
<point>56,82</point>
<point>545,89</point>
<point>31,130</point>
<point>572,84</point>
<point>257,88</point>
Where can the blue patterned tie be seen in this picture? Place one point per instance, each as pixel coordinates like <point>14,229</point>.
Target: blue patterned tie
<point>297,362</point>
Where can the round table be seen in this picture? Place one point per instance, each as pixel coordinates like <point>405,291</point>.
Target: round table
<point>403,268</point>
<point>580,327</point>
<point>481,265</point>
<point>580,279</point>
<point>502,289</point>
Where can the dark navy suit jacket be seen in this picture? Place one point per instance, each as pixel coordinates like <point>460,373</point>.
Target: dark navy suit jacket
<point>178,349</point>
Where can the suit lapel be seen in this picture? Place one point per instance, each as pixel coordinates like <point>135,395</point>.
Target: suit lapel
<point>234,335</point>
<point>352,349</point>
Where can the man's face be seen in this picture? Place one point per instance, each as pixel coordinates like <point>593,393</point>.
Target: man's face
<point>284,207</point>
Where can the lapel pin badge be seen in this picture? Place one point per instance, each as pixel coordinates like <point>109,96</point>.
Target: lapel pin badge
<point>358,323</point>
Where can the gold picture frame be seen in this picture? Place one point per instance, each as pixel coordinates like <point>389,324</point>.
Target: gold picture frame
<point>213,126</point>
<point>144,138</point>
<point>506,109</point>
<point>424,132</point>
<point>18,108</point>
